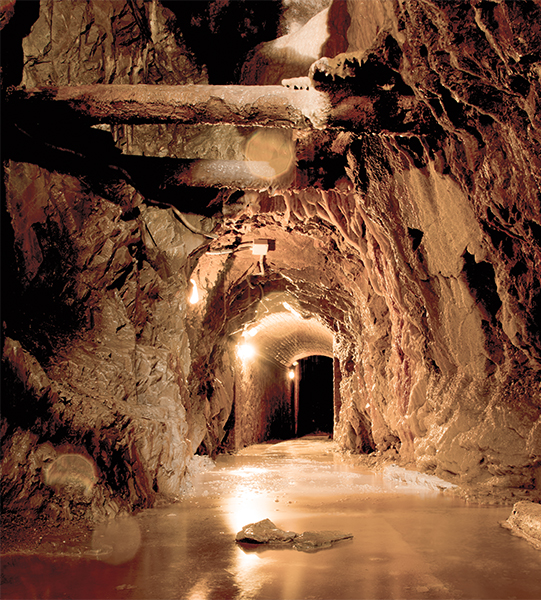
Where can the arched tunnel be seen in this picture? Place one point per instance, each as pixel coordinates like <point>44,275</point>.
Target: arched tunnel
<point>207,205</point>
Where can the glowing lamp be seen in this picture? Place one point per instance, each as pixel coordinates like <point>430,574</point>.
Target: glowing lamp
<point>260,247</point>
<point>291,374</point>
<point>194,296</point>
<point>246,351</point>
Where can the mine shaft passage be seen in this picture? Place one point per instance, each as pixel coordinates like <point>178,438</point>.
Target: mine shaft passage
<point>312,396</point>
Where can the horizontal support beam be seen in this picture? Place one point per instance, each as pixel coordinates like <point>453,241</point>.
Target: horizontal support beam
<point>261,106</point>
<point>236,174</point>
<point>264,106</point>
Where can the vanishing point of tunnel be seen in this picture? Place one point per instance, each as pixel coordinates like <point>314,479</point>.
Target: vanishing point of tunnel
<point>231,223</point>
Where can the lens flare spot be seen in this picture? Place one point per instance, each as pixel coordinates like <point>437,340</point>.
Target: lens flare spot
<point>71,470</point>
<point>116,542</point>
<point>270,153</point>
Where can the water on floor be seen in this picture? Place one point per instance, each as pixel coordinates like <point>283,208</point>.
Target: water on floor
<point>409,542</point>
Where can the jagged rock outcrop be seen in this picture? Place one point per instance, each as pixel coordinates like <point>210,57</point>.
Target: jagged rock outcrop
<point>525,522</point>
<point>265,532</point>
<point>110,340</point>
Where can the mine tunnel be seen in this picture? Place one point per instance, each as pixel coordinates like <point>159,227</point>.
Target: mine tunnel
<point>226,224</point>
<point>313,399</point>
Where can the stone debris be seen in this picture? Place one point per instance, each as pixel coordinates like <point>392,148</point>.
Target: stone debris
<point>525,521</point>
<point>311,541</point>
<point>413,479</point>
<point>266,532</point>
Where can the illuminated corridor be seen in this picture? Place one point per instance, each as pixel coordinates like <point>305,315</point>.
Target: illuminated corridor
<point>228,224</point>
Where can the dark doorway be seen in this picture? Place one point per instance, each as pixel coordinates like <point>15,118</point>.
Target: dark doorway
<point>314,391</point>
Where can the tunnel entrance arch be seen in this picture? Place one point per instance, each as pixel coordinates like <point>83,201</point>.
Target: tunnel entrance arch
<point>312,396</point>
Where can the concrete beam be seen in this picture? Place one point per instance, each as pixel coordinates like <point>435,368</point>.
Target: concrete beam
<point>262,106</point>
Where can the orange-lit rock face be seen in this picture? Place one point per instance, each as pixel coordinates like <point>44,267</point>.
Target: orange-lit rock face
<point>412,259</point>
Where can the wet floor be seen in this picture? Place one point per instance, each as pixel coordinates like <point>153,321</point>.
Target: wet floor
<point>409,542</point>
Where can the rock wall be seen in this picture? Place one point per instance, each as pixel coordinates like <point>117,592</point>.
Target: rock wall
<point>96,347</point>
<point>78,43</point>
<point>465,253</point>
<point>263,403</point>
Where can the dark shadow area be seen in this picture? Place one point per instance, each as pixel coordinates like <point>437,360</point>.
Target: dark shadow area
<point>315,396</point>
<point>480,279</point>
<point>90,155</point>
<point>11,51</point>
<point>221,33</point>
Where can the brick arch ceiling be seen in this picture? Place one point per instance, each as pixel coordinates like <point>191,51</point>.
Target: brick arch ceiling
<point>283,337</point>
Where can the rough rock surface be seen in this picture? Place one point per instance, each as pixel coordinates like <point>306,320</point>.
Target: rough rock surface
<point>525,521</point>
<point>266,532</point>
<point>291,55</point>
<point>110,344</point>
<point>106,42</point>
<point>419,254</point>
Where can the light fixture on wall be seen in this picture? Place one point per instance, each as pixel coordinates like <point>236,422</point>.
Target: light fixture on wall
<point>194,296</point>
<point>250,332</point>
<point>291,374</point>
<point>260,249</point>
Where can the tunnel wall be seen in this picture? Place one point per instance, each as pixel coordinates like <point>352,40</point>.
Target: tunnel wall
<point>448,352</point>
<point>96,349</point>
<point>262,402</point>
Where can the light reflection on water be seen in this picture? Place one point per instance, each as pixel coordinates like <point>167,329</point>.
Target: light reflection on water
<point>117,541</point>
<point>413,546</point>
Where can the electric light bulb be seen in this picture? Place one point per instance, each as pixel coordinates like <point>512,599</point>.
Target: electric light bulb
<point>291,374</point>
<point>194,296</point>
<point>246,351</point>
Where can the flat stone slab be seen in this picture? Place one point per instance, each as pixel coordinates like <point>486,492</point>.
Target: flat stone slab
<point>525,521</point>
<point>266,532</point>
<point>311,541</point>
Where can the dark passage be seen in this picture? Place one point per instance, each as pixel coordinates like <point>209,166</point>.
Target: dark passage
<point>315,399</point>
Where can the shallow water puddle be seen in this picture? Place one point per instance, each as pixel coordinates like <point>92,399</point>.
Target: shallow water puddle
<point>409,542</point>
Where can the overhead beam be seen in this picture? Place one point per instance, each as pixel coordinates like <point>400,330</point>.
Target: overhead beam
<point>261,106</point>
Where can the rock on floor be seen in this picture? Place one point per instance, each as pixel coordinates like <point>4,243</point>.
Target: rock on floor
<point>266,532</point>
<point>525,521</point>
